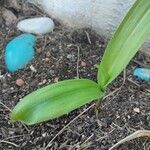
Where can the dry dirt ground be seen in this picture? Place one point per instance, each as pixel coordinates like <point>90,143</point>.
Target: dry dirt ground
<point>60,55</point>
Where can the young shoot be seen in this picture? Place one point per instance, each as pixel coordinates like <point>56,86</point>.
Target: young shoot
<point>61,98</point>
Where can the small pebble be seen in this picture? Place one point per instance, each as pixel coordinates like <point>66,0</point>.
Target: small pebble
<point>51,72</point>
<point>137,110</point>
<point>44,81</point>
<point>39,50</point>
<point>48,54</point>
<point>44,134</point>
<point>19,82</point>
<point>40,25</point>
<point>129,117</point>
<point>142,73</point>
<point>47,59</point>
<point>33,69</point>
<point>69,56</point>
<point>19,52</point>
<point>83,64</point>
<point>8,16</point>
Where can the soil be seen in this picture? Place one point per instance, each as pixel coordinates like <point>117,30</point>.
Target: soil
<point>61,55</point>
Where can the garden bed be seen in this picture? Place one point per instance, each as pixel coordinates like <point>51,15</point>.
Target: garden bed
<point>66,54</point>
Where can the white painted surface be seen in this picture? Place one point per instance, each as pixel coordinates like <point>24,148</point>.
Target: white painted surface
<point>103,16</point>
<point>40,25</point>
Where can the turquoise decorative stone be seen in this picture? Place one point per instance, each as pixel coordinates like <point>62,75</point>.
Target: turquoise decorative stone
<point>19,52</point>
<point>142,73</point>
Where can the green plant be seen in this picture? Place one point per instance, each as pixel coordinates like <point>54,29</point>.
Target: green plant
<point>60,98</point>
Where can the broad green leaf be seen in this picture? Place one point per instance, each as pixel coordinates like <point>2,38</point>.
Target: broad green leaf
<point>126,41</point>
<point>55,100</point>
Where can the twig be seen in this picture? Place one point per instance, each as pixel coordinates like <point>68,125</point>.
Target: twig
<point>5,106</point>
<point>137,134</point>
<point>130,80</point>
<point>139,63</point>
<point>49,144</point>
<point>25,127</point>
<point>75,146</point>
<point>78,60</point>
<point>45,43</point>
<point>101,138</point>
<point>89,40</point>
<point>12,137</point>
<point>87,140</point>
<point>3,141</point>
<point>117,126</point>
<point>63,145</point>
<point>85,146</point>
<point>80,145</point>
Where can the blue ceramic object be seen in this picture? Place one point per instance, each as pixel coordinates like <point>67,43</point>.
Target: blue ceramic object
<point>19,52</point>
<point>142,73</point>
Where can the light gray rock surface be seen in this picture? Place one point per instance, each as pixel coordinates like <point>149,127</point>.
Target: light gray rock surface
<point>103,16</point>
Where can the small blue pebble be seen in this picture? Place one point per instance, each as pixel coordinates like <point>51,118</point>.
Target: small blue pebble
<point>142,73</point>
<point>19,52</point>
